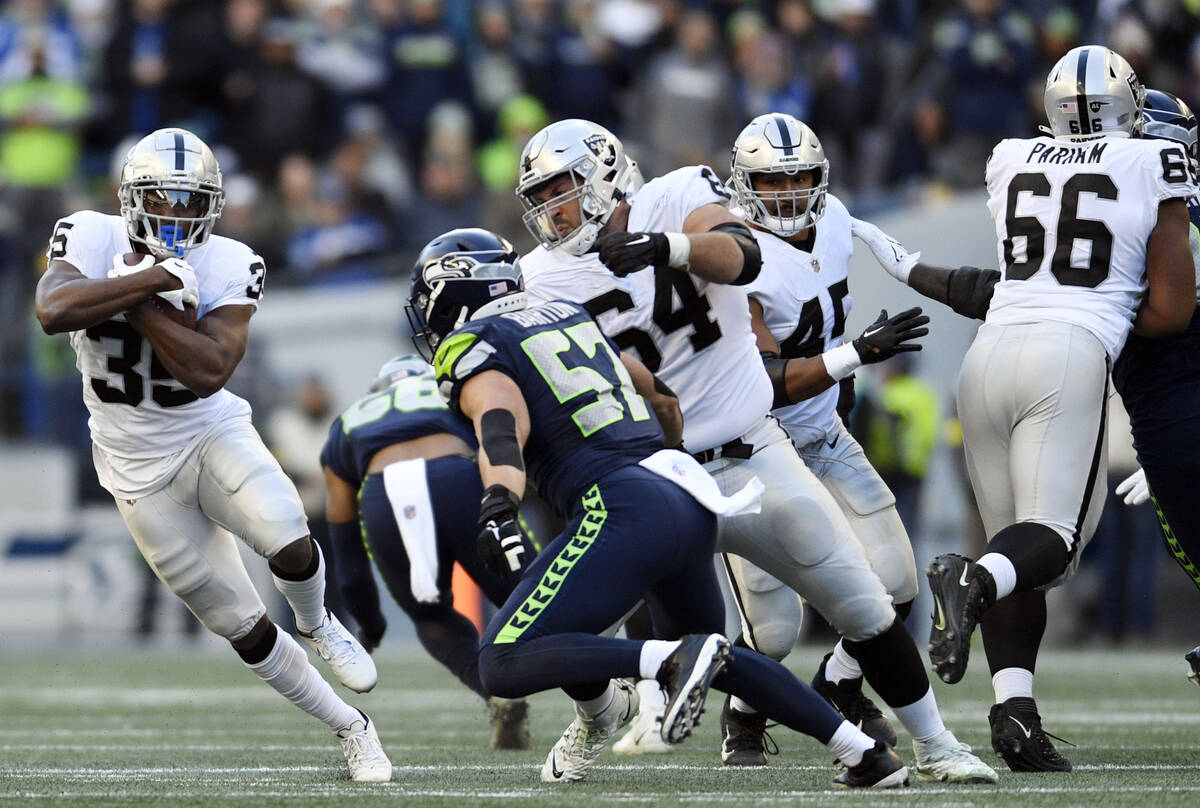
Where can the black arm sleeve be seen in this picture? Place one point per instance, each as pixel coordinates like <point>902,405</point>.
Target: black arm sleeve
<point>967,290</point>
<point>776,367</point>
<point>751,255</point>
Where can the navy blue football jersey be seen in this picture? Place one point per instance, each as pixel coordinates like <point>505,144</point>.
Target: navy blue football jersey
<point>585,417</point>
<point>410,409</point>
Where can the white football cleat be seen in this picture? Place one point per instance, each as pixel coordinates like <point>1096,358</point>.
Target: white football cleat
<point>344,654</point>
<point>643,737</point>
<point>949,760</point>
<point>365,758</point>
<point>584,740</point>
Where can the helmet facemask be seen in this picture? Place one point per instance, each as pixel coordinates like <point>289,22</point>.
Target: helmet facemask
<point>170,192</point>
<point>539,216</point>
<point>784,213</point>
<point>777,143</point>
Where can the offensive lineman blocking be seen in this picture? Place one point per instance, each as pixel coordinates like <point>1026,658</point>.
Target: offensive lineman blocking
<point>175,449</point>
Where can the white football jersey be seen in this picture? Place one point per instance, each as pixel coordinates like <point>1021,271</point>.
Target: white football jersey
<point>694,335</point>
<point>805,298</point>
<point>142,419</point>
<point>1072,221</point>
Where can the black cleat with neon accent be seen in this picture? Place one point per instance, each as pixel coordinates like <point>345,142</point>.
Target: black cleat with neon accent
<point>962,591</point>
<point>880,767</point>
<point>1018,737</point>
<point>685,676</point>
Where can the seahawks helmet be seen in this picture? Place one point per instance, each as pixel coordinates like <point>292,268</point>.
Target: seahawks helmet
<point>1168,118</point>
<point>602,175</point>
<point>466,274</point>
<point>773,143</point>
<point>397,369</point>
<point>176,173</point>
<point>1093,92</point>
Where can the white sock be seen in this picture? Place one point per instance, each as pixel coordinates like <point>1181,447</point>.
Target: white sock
<point>1012,682</point>
<point>654,654</point>
<point>593,707</point>
<point>1003,573</point>
<point>841,665</point>
<point>921,718</point>
<point>651,696</point>
<point>307,597</point>
<point>287,669</point>
<point>741,706</point>
<point>849,743</point>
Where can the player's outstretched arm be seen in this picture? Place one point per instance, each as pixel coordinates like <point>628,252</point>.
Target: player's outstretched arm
<point>200,360</point>
<point>1170,271</point>
<point>967,290</point>
<point>354,578</point>
<point>661,398</point>
<point>496,407</point>
<point>715,246</point>
<point>67,300</point>
<point>793,379</point>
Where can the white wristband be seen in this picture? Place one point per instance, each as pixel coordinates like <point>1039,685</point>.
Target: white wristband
<point>841,361</point>
<point>681,250</point>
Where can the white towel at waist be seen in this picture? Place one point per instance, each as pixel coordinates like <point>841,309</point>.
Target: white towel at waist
<point>408,491</point>
<point>683,470</point>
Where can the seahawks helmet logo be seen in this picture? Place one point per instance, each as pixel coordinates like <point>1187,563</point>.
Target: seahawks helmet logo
<point>600,146</point>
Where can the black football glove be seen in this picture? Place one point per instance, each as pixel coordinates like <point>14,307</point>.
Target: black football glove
<point>889,336</point>
<point>370,634</point>
<point>501,542</point>
<point>625,253</point>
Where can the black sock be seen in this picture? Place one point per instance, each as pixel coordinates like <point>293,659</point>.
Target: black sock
<point>1038,554</point>
<point>1012,630</point>
<point>892,665</point>
<point>314,563</point>
<point>261,649</point>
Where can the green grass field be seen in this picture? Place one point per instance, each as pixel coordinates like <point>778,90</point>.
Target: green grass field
<point>182,726</point>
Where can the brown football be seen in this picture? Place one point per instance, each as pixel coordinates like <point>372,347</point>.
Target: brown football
<point>132,259</point>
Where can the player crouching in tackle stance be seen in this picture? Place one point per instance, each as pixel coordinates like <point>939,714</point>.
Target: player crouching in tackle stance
<point>544,386</point>
<point>176,450</point>
<point>1033,388</point>
<point>400,461</point>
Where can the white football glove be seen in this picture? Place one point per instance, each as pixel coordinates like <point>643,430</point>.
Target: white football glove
<point>1135,488</point>
<point>187,294</point>
<point>890,253</point>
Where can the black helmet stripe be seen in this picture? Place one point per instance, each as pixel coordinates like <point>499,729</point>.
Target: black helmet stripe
<point>786,137</point>
<point>179,152</point>
<point>1081,107</point>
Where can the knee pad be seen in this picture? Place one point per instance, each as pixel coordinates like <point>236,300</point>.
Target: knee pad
<point>775,635</point>
<point>861,617</point>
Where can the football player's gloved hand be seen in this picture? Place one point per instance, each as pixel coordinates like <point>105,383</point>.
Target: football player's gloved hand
<point>501,542</point>
<point>890,253</point>
<point>888,336</point>
<point>370,633</point>
<point>1135,488</point>
<point>625,253</point>
<point>188,293</point>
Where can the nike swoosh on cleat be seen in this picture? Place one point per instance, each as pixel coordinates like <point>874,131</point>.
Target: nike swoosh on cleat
<point>940,623</point>
<point>554,770</point>
<point>1019,724</point>
<point>962,579</point>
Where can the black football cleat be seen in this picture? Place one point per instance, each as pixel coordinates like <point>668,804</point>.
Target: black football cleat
<point>1193,661</point>
<point>962,592</point>
<point>1018,737</point>
<point>685,677</point>
<point>880,767</point>
<point>848,699</point>
<point>744,738</point>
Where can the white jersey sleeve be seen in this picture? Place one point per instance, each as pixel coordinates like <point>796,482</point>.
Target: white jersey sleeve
<point>142,419</point>
<point>805,298</point>
<point>1072,223</point>
<point>692,334</point>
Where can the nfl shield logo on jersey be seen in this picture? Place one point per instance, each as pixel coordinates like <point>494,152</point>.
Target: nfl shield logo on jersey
<point>410,511</point>
<point>816,265</point>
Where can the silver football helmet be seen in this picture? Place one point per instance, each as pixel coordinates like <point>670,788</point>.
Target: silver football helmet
<point>602,176</point>
<point>396,370</point>
<point>772,143</point>
<point>174,173</point>
<point>1093,92</point>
